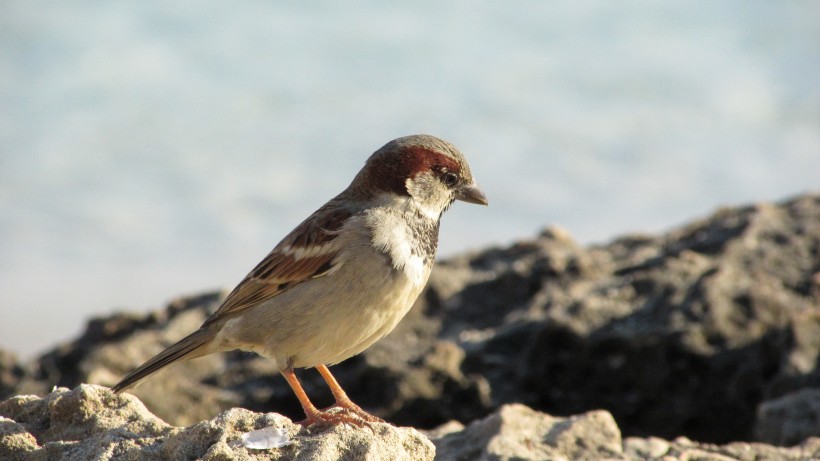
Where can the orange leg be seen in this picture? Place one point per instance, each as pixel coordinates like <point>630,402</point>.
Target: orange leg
<point>310,410</point>
<point>314,415</point>
<point>342,400</point>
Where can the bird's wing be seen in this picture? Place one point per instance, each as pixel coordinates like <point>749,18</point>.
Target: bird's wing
<point>307,252</point>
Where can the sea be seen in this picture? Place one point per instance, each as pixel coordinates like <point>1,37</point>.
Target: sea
<point>151,150</point>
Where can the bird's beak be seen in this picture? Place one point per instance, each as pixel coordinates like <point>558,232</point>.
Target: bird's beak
<point>471,194</point>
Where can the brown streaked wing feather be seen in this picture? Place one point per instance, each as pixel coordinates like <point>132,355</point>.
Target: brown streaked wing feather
<point>281,269</point>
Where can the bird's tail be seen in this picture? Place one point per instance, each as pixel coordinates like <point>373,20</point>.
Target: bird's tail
<point>189,347</point>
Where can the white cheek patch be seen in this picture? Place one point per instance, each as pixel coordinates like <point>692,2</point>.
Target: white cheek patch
<point>433,204</point>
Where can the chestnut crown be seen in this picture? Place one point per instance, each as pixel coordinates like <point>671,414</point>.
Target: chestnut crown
<point>421,166</point>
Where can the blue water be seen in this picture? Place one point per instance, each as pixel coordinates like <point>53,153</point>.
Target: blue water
<point>154,149</point>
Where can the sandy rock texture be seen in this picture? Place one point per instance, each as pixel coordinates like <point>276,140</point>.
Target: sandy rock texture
<point>710,331</point>
<point>90,422</point>
<point>516,432</point>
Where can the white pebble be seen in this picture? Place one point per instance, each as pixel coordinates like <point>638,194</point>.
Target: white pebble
<point>267,437</point>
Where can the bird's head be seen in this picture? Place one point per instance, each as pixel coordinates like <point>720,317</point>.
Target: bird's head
<point>422,167</point>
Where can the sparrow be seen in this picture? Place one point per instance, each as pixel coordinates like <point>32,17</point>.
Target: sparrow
<point>343,278</point>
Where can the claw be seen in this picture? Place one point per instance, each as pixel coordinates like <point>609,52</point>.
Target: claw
<point>346,406</point>
<point>324,419</point>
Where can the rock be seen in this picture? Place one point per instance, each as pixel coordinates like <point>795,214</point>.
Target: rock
<point>90,422</point>
<point>11,372</point>
<point>684,449</point>
<point>680,334</point>
<point>517,432</point>
<point>789,419</point>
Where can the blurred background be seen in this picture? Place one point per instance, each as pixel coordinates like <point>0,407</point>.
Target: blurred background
<point>156,149</point>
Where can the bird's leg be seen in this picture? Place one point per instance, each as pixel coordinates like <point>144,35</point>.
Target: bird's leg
<point>342,400</point>
<point>313,415</point>
<point>311,411</point>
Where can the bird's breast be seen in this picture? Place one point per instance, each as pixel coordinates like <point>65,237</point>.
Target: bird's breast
<point>407,238</point>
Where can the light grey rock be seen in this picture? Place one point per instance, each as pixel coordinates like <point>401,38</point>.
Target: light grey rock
<point>683,449</point>
<point>92,423</point>
<point>516,432</point>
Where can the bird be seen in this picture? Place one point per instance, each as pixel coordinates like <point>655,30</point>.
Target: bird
<point>343,278</point>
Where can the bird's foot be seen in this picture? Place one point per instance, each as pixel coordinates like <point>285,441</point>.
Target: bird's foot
<point>351,408</point>
<point>323,419</point>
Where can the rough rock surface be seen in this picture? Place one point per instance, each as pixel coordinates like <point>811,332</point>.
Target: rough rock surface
<point>681,334</point>
<point>515,432</point>
<point>789,419</point>
<point>91,422</point>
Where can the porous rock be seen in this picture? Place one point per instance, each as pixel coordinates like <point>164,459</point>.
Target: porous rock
<point>90,422</point>
<point>518,433</point>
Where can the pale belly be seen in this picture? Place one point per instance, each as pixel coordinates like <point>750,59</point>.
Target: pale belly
<point>324,321</point>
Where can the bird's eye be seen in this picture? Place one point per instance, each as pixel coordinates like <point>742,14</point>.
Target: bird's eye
<point>449,179</point>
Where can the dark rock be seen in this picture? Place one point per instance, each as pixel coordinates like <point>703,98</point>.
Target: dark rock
<point>11,373</point>
<point>682,334</point>
<point>789,419</point>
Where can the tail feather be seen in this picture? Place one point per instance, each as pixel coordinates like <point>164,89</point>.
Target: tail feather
<point>188,347</point>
